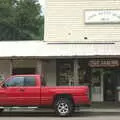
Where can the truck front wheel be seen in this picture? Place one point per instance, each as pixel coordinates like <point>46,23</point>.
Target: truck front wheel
<point>63,107</point>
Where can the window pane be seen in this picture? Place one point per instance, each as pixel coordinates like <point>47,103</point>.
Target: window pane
<point>29,81</point>
<point>16,81</point>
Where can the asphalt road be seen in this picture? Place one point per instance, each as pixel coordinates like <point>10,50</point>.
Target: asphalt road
<point>52,116</point>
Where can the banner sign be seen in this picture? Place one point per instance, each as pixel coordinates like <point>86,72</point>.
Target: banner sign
<point>103,63</point>
<point>102,16</point>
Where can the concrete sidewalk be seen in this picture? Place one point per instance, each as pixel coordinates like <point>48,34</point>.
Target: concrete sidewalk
<point>103,107</point>
<point>95,107</point>
<point>105,110</point>
<point>99,110</point>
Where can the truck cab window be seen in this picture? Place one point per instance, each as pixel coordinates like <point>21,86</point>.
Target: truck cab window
<point>16,81</point>
<point>29,81</point>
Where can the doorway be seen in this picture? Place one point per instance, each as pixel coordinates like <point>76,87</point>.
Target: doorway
<point>111,77</point>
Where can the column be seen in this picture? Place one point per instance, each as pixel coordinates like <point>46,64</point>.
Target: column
<point>76,65</point>
<point>11,67</point>
<point>102,85</point>
<point>39,67</point>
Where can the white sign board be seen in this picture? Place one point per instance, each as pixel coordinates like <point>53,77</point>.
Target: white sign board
<point>102,16</point>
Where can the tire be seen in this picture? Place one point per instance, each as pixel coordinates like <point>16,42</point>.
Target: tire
<point>63,107</point>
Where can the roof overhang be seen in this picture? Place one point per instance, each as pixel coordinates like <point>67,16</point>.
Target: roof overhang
<point>43,50</point>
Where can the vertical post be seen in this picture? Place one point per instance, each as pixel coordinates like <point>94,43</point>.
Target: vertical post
<point>76,72</point>
<point>102,85</point>
<point>39,67</point>
<point>11,67</point>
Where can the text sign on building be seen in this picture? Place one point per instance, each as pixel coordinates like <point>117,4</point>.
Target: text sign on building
<point>102,16</point>
<point>103,63</point>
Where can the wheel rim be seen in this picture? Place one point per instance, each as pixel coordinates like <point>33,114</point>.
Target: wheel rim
<point>63,108</point>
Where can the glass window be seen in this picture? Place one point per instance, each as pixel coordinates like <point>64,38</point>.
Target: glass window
<point>96,77</point>
<point>83,72</point>
<point>65,73</point>
<point>29,81</point>
<point>16,81</point>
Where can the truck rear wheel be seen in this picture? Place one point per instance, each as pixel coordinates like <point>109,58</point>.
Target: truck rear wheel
<point>63,107</point>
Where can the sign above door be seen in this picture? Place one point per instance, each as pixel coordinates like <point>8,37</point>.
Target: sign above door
<point>103,63</point>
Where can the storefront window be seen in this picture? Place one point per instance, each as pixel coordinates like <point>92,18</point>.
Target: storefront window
<point>83,73</point>
<point>96,77</point>
<point>65,73</point>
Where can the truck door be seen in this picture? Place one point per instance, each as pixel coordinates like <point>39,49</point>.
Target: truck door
<point>31,91</point>
<point>11,93</point>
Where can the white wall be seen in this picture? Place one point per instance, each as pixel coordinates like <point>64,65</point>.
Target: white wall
<point>64,21</point>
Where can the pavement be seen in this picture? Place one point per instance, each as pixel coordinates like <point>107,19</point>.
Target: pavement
<point>91,110</point>
<point>95,112</point>
<point>89,114</point>
<point>96,107</point>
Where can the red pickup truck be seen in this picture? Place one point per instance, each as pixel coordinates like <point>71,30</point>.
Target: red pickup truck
<point>31,90</point>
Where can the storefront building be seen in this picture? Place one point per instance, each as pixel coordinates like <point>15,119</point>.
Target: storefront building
<point>93,27</point>
<point>81,47</point>
<point>101,75</point>
<point>66,65</point>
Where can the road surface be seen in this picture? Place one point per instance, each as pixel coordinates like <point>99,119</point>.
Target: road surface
<point>51,116</point>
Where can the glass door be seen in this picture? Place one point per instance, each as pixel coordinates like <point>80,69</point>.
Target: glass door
<point>111,77</point>
<point>96,84</point>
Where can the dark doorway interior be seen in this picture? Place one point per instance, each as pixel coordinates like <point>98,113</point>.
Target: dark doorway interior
<point>111,81</point>
<point>23,71</point>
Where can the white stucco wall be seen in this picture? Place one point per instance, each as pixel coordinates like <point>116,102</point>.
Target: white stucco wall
<point>66,18</point>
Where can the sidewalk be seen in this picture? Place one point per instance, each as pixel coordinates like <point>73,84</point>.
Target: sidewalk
<point>103,107</point>
<point>99,110</point>
<point>95,107</point>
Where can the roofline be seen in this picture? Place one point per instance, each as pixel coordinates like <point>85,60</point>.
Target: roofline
<point>57,57</point>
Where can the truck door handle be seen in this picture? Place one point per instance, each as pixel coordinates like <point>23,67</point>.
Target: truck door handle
<point>22,90</point>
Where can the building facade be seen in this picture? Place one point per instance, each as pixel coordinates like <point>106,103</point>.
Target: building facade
<point>82,20</point>
<point>81,47</point>
<point>90,22</point>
